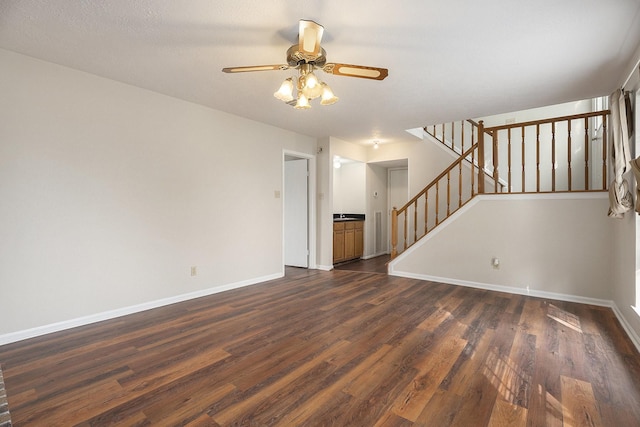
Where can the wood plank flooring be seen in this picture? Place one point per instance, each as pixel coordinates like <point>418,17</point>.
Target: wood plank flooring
<point>340,348</point>
<point>372,265</point>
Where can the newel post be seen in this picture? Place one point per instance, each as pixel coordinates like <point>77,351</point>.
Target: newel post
<point>394,232</point>
<point>481,157</point>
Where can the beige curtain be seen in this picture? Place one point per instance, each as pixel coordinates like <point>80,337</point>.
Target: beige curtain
<point>620,199</point>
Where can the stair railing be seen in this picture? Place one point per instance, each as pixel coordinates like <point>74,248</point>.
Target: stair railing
<point>539,156</point>
<point>436,201</point>
<point>456,136</point>
<point>562,154</point>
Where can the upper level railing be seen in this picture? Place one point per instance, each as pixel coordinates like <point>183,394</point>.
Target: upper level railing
<point>562,154</point>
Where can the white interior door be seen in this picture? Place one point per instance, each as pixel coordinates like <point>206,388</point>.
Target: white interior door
<point>398,181</point>
<point>296,213</point>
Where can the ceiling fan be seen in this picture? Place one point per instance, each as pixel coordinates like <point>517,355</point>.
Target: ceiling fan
<point>306,57</point>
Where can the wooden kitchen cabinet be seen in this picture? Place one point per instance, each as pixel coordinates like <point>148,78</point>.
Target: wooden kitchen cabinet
<point>348,240</point>
<point>359,239</point>
<point>338,242</point>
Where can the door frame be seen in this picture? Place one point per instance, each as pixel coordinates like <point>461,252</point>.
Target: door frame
<point>311,200</point>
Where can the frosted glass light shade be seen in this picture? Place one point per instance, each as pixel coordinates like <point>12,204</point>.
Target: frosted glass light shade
<point>328,97</point>
<point>311,80</point>
<point>310,86</point>
<point>285,93</point>
<point>303,102</point>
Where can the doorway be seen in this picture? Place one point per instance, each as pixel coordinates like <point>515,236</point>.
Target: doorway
<point>298,207</point>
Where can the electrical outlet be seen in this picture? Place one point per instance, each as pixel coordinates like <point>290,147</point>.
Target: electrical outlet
<point>194,270</point>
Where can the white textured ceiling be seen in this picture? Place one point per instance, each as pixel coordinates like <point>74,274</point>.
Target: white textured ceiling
<point>447,60</point>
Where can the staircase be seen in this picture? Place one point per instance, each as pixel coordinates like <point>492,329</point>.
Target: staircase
<point>561,154</point>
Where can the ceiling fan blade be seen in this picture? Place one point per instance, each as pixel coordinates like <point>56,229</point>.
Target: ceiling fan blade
<point>360,71</point>
<point>309,38</point>
<point>280,67</point>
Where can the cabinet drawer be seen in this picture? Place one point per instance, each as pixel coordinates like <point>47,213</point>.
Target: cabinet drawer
<point>338,226</point>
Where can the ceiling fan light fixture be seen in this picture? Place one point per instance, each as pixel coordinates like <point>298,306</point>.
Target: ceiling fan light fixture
<point>285,93</point>
<point>303,102</point>
<point>306,57</point>
<point>328,97</point>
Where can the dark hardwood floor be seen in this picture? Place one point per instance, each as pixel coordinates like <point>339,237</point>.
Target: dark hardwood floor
<point>372,265</point>
<point>339,348</point>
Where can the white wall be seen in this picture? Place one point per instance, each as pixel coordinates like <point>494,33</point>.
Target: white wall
<point>545,243</point>
<point>376,184</point>
<point>426,160</point>
<point>349,188</point>
<point>565,109</point>
<point>324,205</point>
<point>348,150</point>
<point>623,270</point>
<point>109,193</point>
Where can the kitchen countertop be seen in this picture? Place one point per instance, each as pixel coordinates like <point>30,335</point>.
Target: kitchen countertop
<point>348,217</point>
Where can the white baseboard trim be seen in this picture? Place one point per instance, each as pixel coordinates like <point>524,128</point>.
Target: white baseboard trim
<point>633,336</point>
<point>111,314</point>
<point>506,289</point>
<point>325,267</point>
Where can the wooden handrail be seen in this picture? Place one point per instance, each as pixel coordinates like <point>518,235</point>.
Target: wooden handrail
<point>394,233</point>
<point>545,121</point>
<point>476,124</point>
<point>470,121</point>
<point>395,213</point>
<point>452,146</point>
<point>438,178</point>
<point>481,133</point>
<point>548,151</point>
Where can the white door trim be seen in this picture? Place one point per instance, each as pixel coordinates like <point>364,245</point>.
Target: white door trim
<point>312,204</point>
